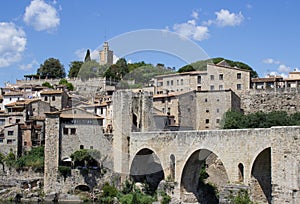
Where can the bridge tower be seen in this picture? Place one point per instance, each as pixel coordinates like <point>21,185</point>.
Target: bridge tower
<point>132,112</point>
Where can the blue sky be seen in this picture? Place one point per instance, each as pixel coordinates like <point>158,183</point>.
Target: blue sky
<point>264,34</point>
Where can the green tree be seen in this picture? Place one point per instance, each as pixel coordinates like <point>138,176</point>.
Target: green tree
<point>52,69</point>
<point>75,67</point>
<point>186,68</point>
<point>69,85</point>
<point>90,69</point>
<point>10,159</point>
<point>233,120</point>
<point>117,71</point>
<point>47,84</point>
<point>87,57</point>
<point>123,67</point>
<point>86,157</point>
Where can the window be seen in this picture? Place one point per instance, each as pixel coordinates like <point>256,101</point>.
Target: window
<point>205,100</point>
<point>239,86</point>
<point>168,83</point>
<point>218,120</point>
<point>81,147</point>
<point>73,131</point>
<point>212,87</point>
<point>10,99</point>
<point>65,131</point>
<point>2,122</point>
<point>207,111</point>
<point>212,77</point>
<point>91,147</point>
<point>10,141</point>
<point>221,77</point>
<point>207,121</point>
<point>181,81</point>
<point>238,75</point>
<point>220,87</point>
<point>199,79</point>
<point>177,82</point>
<point>10,132</point>
<point>1,140</point>
<point>218,110</point>
<point>53,98</point>
<point>171,82</point>
<point>46,98</point>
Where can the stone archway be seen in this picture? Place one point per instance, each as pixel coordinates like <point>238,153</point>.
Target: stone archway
<point>83,187</point>
<point>202,169</point>
<point>260,184</point>
<point>146,168</point>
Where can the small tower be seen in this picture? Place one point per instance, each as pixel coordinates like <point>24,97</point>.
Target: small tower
<point>106,55</point>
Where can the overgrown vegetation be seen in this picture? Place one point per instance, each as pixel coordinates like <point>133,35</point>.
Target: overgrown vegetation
<point>207,189</point>
<point>65,171</point>
<point>129,194</point>
<point>86,157</point>
<point>47,84</point>
<point>33,159</point>
<point>242,197</point>
<point>69,85</point>
<point>237,120</point>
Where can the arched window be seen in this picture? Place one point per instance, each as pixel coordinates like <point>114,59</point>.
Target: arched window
<point>172,167</point>
<point>241,172</point>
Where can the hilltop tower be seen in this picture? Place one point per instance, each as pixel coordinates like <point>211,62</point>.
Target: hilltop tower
<point>106,55</point>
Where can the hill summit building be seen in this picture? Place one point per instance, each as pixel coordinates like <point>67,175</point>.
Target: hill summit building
<point>106,55</point>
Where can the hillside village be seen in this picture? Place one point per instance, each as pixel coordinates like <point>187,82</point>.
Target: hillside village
<point>208,94</point>
<point>195,100</point>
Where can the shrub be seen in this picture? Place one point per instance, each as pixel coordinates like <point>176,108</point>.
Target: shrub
<point>65,171</point>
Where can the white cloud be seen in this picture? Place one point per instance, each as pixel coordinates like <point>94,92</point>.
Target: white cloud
<point>12,43</point>
<point>225,18</point>
<point>274,73</point>
<point>29,66</point>
<point>190,29</point>
<point>271,61</point>
<point>284,68</point>
<point>41,16</point>
<point>116,58</point>
<point>195,14</point>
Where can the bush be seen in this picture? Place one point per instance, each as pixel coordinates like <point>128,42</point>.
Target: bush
<point>65,171</point>
<point>165,198</point>
<point>47,84</point>
<point>241,198</point>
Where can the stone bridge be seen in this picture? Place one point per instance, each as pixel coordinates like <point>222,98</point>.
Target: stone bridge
<point>265,160</point>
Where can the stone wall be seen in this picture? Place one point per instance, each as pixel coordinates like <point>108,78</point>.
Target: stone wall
<point>51,153</point>
<point>267,101</point>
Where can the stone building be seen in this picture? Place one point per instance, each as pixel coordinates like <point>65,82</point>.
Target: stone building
<point>197,110</point>
<point>106,55</point>
<point>211,107</point>
<point>10,139</point>
<point>70,130</point>
<point>56,98</point>
<point>216,77</point>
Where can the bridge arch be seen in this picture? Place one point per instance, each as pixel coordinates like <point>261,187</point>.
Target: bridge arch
<point>146,167</point>
<point>261,188</point>
<point>196,171</point>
